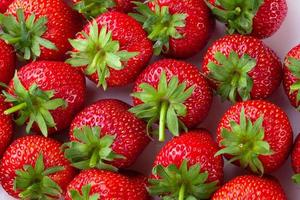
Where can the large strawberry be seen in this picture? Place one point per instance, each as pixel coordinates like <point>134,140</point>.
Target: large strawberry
<point>106,135</point>
<point>256,134</point>
<point>189,160</point>
<point>40,29</point>
<point>242,68</point>
<point>46,95</point>
<point>7,62</point>
<point>296,160</point>
<point>6,126</point>
<point>177,28</point>
<point>173,93</point>
<point>34,167</point>
<point>106,185</point>
<point>259,18</point>
<point>111,50</point>
<point>250,187</point>
<point>4,5</point>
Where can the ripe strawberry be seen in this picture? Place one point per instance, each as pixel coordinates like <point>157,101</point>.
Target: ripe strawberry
<point>173,93</point>
<point>257,134</point>
<point>4,5</point>
<point>6,127</point>
<point>195,171</point>
<point>296,160</point>
<point>111,50</point>
<point>7,62</point>
<point>46,95</point>
<point>259,18</point>
<point>34,167</point>
<point>250,187</point>
<point>242,68</point>
<point>177,28</point>
<point>106,185</point>
<point>105,135</point>
<point>40,29</point>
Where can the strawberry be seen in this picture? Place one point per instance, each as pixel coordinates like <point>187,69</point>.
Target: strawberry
<point>177,28</point>
<point>40,29</point>
<point>296,160</point>
<point>46,95</point>
<point>6,127</point>
<point>111,50</point>
<point>105,135</point>
<point>34,167</point>
<point>256,134</point>
<point>259,18</point>
<point>242,68</point>
<point>250,187</point>
<point>7,62</point>
<point>106,185</point>
<point>194,171</point>
<point>173,93</point>
<point>4,5</point>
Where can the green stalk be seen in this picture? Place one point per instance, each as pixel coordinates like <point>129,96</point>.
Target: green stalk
<point>94,159</point>
<point>15,108</point>
<point>181,192</point>
<point>162,120</point>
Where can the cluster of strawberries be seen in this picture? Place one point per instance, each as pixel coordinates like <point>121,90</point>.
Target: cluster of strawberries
<point>112,42</point>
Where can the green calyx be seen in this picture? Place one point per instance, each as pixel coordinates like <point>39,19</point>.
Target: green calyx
<point>296,178</point>
<point>245,142</point>
<point>25,34</point>
<point>238,15</point>
<point>93,8</point>
<point>85,194</point>
<point>33,106</point>
<point>33,182</point>
<point>164,105</point>
<point>160,25</point>
<point>91,150</point>
<point>99,52</point>
<point>231,75</point>
<point>182,184</point>
<point>294,66</point>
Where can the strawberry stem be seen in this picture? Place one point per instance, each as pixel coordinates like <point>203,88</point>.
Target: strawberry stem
<point>15,108</point>
<point>181,192</point>
<point>162,120</point>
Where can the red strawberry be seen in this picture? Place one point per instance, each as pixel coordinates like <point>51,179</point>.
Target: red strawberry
<point>106,135</point>
<point>40,29</point>
<point>6,127</point>
<point>296,160</point>
<point>190,159</point>
<point>7,62</point>
<point>46,94</point>
<point>106,185</point>
<point>177,28</point>
<point>4,5</point>
<point>242,68</point>
<point>259,18</point>
<point>250,187</point>
<point>257,134</point>
<point>173,93</point>
<point>34,167</point>
<point>111,50</point>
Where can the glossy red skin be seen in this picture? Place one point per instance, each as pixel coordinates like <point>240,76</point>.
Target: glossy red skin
<point>132,38</point>
<point>296,155</point>
<point>110,185</point>
<point>7,62</point>
<point>114,118</point>
<point>63,23</point>
<point>24,151</point>
<point>198,105</point>
<point>198,147</point>
<point>68,84</point>
<point>250,187</point>
<point>6,126</point>
<point>266,75</point>
<point>277,128</point>
<point>4,5</point>
<point>199,25</point>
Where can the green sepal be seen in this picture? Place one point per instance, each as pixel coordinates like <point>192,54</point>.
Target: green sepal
<point>182,184</point>
<point>238,15</point>
<point>160,25</point>
<point>296,178</point>
<point>164,105</point>
<point>33,182</point>
<point>85,194</point>
<point>293,65</point>
<point>245,142</point>
<point>99,52</point>
<point>231,75</point>
<point>91,150</point>
<point>33,106</point>
<point>93,8</point>
<point>25,34</point>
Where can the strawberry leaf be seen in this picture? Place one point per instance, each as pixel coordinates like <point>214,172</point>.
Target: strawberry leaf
<point>85,194</point>
<point>293,65</point>
<point>296,178</point>
<point>93,8</point>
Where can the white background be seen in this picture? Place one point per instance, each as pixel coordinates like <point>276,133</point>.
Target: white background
<point>285,39</point>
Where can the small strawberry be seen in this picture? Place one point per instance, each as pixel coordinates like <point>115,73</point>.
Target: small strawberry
<point>242,68</point>
<point>34,167</point>
<point>6,127</point>
<point>7,62</point>
<point>177,28</point>
<point>256,135</point>
<point>4,5</point>
<point>105,185</point>
<point>46,95</point>
<point>259,18</point>
<point>193,170</point>
<point>111,50</point>
<point>250,187</point>
<point>173,93</point>
<point>296,160</point>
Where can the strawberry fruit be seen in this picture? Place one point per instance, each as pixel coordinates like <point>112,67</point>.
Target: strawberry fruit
<point>6,126</point>
<point>7,62</point>
<point>4,5</point>
<point>296,160</point>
